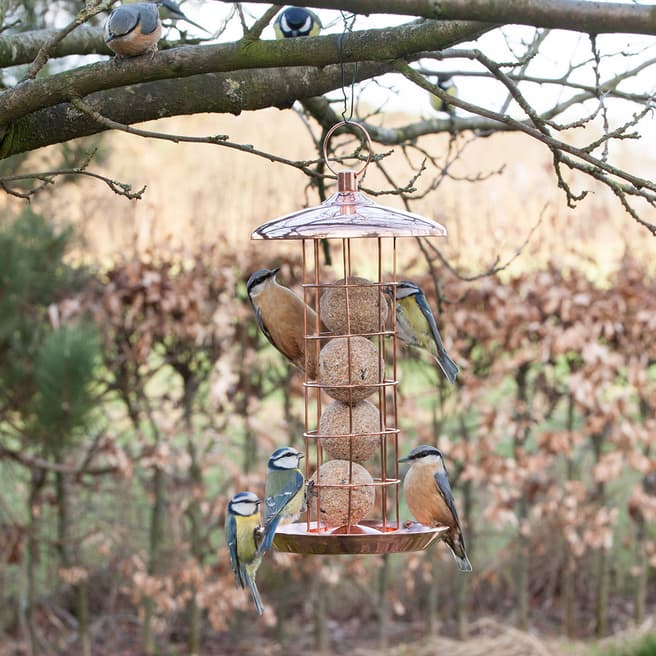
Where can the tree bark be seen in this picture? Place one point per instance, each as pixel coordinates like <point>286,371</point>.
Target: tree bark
<point>579,15</point>
<point>154,554</point>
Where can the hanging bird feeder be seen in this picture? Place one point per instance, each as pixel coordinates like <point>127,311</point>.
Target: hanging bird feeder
<point>351,410</point>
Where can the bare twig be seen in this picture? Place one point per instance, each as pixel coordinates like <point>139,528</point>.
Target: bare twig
<point>44,52</point>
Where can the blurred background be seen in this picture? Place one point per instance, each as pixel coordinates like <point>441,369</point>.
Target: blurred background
<point>138,396</point>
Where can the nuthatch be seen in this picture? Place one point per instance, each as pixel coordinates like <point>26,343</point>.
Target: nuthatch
<point>297,21</point>
<point>279,314</point>
<point>133,29</point>
<point>415,325</point>
<point>242,527</point>
<point>284,494</point>
<point>428,495</point>
<point>447,85</point>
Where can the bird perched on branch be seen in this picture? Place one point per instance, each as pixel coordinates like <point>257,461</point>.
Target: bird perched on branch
<point>296,21</point>
<point>284,494</point>
<point>416,326</point>
<point>134,29</point>
<point>428,495</point>
<point>280,313</point>
<point>171,10</point>
<point>446,83</point>
<point>242,529</point>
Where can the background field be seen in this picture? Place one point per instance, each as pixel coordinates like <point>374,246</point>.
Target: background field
<point>548,434</point>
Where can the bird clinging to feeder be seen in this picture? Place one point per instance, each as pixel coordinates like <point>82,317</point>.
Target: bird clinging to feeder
<point>242,528</point>
<point>281,315</point>
<point>284,495</point>
<point>416,326</point>
<point>428,495</point>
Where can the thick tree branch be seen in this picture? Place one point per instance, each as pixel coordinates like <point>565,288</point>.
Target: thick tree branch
<point>215,93</point>
<point>578,15</point>
<point>372,45</point>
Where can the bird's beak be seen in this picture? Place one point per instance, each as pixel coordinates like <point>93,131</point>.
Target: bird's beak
<point>274,271</point>
<point>404,459</point>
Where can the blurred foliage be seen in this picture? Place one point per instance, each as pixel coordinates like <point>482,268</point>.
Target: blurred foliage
<point>548,436</point>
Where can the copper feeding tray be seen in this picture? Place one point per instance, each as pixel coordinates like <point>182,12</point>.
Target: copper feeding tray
<point>367,537</point>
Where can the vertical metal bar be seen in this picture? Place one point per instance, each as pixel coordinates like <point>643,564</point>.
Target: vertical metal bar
<point>317,390</point>
<point>346,261</point>
<point>382,400</point>
<point>306,389</point>
<point>395,385</point>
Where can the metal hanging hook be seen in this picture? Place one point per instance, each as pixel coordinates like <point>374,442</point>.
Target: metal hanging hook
<point>346,180</point>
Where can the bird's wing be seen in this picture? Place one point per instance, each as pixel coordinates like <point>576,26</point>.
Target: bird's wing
<point>448,366</point>
<point>122,21</point>
<point>274,503</point>
<point>444,488</point>
<point>149,16</point>
<point>428,314</point>
<point>260,324</point>
<point>231,541</point>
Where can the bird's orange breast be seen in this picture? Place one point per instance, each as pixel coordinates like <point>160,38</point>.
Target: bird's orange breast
<point>284,317</point>
<point>423,497</point>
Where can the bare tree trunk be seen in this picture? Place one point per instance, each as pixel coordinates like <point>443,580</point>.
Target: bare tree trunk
<point>462,582</point>
<point>196,544</point>
<point>154,551</point>
<point>569,602</point>
<point>37,481</point>
<point>603,571</point>
<point>433,604</point>
<point>194,513</point>
<point>522,568</point>
<point>68,559</point>
<point>641,578</point>
<point>603,585</point>
<point>319,608</point>
<point>521,554</point>
<point>383,603</point>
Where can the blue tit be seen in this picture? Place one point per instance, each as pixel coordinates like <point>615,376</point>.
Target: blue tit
<point>297,21</point>
<point>133,29</point>
<point>279,313</point>
<point>446,83</point>
<point>242,528</point>
<point>171,10</point>
<point>429,497</point>
<point>284,494</point>
<point>416,326</point>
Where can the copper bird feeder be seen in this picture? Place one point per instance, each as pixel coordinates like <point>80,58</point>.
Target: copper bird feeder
<point>353,506</point>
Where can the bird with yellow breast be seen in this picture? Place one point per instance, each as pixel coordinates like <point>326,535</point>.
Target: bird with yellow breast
<point>242,531</point>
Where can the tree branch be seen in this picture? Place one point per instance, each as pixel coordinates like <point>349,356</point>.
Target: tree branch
<point>579,15</point>
<point>370,45</point>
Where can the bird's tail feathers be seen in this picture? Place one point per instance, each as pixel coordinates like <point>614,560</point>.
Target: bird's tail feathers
<point>448,366</point>
<point>255,595</point>
<point>463,563</point>
<point>457,547</point>
<point>460,555</point>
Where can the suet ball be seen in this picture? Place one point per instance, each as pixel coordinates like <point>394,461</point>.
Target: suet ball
<point>334,501</point>
<point>366,368</point>
<point>368,307</point>
<point>364,420</point>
